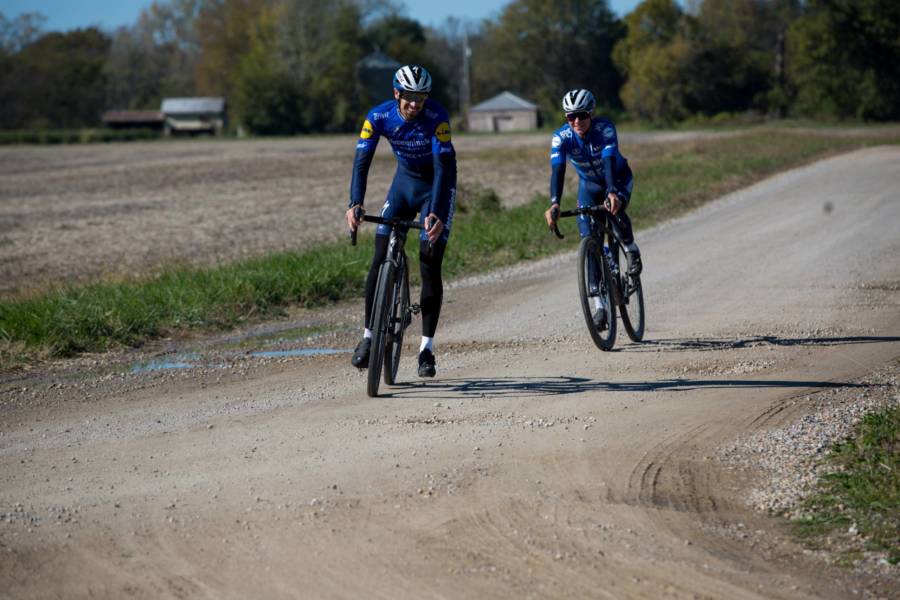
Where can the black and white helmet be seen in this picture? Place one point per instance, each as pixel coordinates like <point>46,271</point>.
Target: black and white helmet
<point>412,78</point>
<point>578,101</point>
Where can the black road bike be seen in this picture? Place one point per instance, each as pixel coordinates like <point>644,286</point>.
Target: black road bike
<point>391,310</point>
<point>603,280</point>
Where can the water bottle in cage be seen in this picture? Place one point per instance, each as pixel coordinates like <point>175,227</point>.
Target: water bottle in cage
<point>613,265</point>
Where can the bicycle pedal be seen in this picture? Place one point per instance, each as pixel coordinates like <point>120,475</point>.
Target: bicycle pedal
<point>415,309</point>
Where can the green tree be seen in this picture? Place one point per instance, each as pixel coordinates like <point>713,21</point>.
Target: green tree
<point>224,31</point>
<point>541,49</point>
<point>56,81</point>
<point>17,33</point>
<point>155,58</point>
<point>655,57</point>
<point>844,59</point>
<point>320,45</point>
<point>735,61</point>
<point>265,100</point>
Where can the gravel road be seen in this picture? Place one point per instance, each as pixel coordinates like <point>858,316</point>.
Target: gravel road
<point>533,466</point>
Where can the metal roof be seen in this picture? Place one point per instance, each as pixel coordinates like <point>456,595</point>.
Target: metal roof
<point>181,106</point>
<point>379,60</point>
<point>504,101</point>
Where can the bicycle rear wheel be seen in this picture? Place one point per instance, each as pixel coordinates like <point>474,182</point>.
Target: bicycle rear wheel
<point>595,286</point>
<point>380,323</point>
<point>631,297</point>
<point>398,322</point>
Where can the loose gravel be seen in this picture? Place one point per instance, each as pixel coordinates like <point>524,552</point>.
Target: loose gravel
<point>790,458</point>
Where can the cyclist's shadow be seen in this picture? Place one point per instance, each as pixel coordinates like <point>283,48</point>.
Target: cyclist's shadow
<point>508,387</point>
<point>714,344</point>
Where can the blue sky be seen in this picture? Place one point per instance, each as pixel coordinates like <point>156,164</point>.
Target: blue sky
<point>63,15</point>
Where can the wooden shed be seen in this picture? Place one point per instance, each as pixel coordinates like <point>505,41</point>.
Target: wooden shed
<point>134,119</point>
<point>503,112</point>
<point>190,116</point>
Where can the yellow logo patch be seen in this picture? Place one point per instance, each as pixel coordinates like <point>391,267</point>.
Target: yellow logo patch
<point>443,132</point>
<point>367,130</point>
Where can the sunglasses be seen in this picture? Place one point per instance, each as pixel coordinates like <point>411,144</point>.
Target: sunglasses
<point>583,115</point>
<point>414,96</point>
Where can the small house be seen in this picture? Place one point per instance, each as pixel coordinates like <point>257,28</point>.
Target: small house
<point>191,116</point>
<point>503,112</point>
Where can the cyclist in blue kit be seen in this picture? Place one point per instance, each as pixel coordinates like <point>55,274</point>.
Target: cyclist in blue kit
<point>418,129</point>
<point>592,146</point>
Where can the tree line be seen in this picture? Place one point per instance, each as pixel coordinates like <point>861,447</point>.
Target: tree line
<point>294,66</point>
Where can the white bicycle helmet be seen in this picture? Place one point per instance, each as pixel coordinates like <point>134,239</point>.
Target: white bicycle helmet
<point>412,78</point>
<point>578,101</point>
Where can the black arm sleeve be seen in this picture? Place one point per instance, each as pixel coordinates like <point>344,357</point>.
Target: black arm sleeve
<point>360,175</point>
<point>557,181</point>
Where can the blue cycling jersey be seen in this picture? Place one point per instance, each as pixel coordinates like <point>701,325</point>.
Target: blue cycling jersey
<point>596,157</point>
<point>422,147</point>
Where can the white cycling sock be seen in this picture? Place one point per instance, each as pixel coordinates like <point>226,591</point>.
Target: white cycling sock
<point>427,342</point>
<point>367,333</point>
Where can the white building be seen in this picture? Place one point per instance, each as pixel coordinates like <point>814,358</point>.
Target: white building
<point>503,112</point>
<point>194,115</point>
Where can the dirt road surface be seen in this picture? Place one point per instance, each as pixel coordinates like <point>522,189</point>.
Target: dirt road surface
<point>533,466</point>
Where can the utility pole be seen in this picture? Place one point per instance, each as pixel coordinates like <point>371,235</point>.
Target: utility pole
<point>464,84</point>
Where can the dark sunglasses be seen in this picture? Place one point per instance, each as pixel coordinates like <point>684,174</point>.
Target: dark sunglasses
<point>414,96</point>
<point>583,115</point>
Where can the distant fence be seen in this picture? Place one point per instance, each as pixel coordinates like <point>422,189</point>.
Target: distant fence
<point>75,136</point>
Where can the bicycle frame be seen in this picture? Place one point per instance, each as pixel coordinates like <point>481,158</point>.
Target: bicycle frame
<point>392,310</point>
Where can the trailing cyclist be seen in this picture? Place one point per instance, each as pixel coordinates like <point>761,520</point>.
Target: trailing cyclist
<point>591,144</point>
<point>604,177</point>
<point>418,129</point>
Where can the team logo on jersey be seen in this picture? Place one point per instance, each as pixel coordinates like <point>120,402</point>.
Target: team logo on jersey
<point>367,130</point>
<point>443,132</point>
<point>555,142</point>
<point>609,132</point>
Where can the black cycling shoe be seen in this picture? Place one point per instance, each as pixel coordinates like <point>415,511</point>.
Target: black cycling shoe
<point>634,263</point>
<point>426,363</point>
<point>360,358</point>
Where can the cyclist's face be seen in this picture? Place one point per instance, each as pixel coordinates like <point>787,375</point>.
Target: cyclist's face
<point>580,122</point>
<point>411,104</point>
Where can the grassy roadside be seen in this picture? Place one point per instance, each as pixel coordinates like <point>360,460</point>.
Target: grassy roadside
<point>855,508</point>
<point>670,180</point>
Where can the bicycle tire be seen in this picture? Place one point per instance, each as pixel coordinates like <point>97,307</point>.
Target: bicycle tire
<point>631,297</point>
<point>380,312</point>
<point>398,323</point>
<point>591,250</point>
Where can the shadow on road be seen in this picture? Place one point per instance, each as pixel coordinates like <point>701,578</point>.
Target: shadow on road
<point>558,386</point>
<point>707,344</point>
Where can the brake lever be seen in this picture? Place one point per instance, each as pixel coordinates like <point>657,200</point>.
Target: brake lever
<point>428,223</point>
<point>554,213</point>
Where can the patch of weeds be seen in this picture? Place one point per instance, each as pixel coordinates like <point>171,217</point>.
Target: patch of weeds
<point>855,507</point>
<point>473,197</point>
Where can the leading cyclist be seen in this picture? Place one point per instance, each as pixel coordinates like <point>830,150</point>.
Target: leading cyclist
<point>418,129</point>
<point>591,144</point>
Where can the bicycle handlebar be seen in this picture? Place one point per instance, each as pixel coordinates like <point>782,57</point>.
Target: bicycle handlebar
<point>583,210</point>
<point>392,222</point>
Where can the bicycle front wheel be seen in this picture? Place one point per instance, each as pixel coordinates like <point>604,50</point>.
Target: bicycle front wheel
<point>595,286</point>
<point>399,319</point>
<point>380,323</point>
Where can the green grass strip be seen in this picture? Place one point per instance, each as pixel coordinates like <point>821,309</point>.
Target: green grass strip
<point>863,491</point>
<point>670,180</point>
